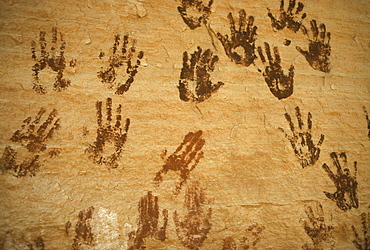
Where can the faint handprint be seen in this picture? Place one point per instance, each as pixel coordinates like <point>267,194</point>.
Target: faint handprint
<point>363,244</point>
<point>317,230</point>
<point>192,231</point>
<point>184,159</point>
<point>281,85</point>
<point>28,166</point>
<point>203,12</point>
<point>318,49</point>
<point>292,21</point>
<point>148,222</point>
<point>242,39</point>
<point>119,57</point>
<point>195,74</point>
<point>301,141</point>
<point>110,139</point>
<point>346,184</point>
<point>54,59</point>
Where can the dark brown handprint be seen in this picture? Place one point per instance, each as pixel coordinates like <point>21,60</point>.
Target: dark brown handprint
<point>84,236</point>
<point>148,222</point>
<point>123,65</point>
<point>281,85</point>
<point>110,138</point>
<point>203,12</point>
<point>240,47</point>
<point>193,229</point>
<point>318,49</point>
<point>317,230</point>
<point>33,137</point>
<point>185,158</point>
<point>346,184</point>
<point>54,59</point>
<point>195,74</point>
<point>363,243</point>
<point>301,141</point>
<point>368,121</point>
<point>292,21</point>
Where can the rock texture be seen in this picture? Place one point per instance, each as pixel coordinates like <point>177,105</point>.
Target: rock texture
<point>184,124</point>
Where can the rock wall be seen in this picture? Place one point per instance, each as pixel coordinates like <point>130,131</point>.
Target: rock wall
<point>184,124</point>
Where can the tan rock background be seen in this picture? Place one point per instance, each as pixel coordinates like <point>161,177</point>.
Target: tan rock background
<point>249,172</point>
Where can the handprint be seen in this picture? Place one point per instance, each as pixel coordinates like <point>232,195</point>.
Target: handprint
<point>252,235</point>
<point>368,121</point>
<point>197,74</point>
<point>242,39</point>
<point>346,195</point>
<point>301,141</point>
<point>189,152</point>
<point>121,56</point>
<point>317,230</point>
<point>29,166</point>
<point>288,18</point>
<point>281,85</point>
<point>193,230</point>
<point>191,21</point>
<point>54,59</point>
<point>148,222</point>
<point>318,49</point>
<point>84,235</point>
<point>108,133</point>
<point>20,241</point>
<point>363,244</point>
<point>34,138</point>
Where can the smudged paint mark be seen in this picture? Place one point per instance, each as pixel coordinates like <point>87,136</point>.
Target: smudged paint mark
<point>108,133</point>
<point>54,152</point>
<point>192,231</point>
<point>281,85</point>
<point>29,166</point>
<point>319,48</point>
<point>148,222</point>
<point>362,243</point>
<point>18,241</point>
<point>346,184</point>
<point>241,39</point>
<point>198,7</point>
<point>368,121</point>
<point>229,244</point>
<point>124,57</point>
<point>53,59</point>
<point>301,141</point>
<point>317,230</point>
<point>249,240</point>
<point>291,20</point>
<point>196,71</point>
<point>185,158</point>
<point>287,42</point>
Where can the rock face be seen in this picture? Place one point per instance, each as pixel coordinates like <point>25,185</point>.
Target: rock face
<point>184,124</point>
